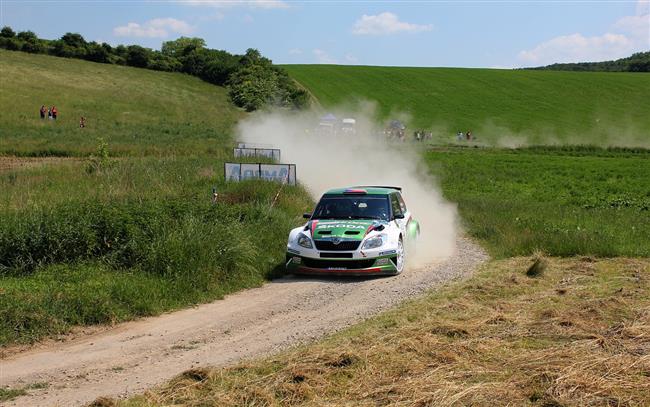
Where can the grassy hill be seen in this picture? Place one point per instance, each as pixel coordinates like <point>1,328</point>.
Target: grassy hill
<point>137,111</point>
<point>133,230</point>
<point>511,106</point>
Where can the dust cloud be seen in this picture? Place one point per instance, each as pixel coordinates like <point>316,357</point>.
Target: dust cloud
<point>325,161</point>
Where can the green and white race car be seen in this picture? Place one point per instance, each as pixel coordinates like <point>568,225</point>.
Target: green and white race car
<point>354,231</point>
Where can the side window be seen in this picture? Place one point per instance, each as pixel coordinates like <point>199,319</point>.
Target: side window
<point>402,205</point>
<point>395,206</point>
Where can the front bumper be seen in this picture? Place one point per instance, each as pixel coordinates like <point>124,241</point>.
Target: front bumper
<point>382,265</point>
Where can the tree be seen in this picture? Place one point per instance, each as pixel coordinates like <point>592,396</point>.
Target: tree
<point>219,66</point>
<point>137,56</point>
<point>97,53</point>
<point>182,46</point>
<point>160,62</point>
<point>74,40</point>
<point>7,32</point>
<point>27,36</point>
<point>253,86</point>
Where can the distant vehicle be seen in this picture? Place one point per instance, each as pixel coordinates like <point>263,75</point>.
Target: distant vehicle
<point>354,231</point>
<point>348,126</point>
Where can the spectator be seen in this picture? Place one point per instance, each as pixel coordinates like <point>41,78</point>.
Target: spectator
<point>42,112</point>
<point>54,112</point>
<point>82,122</point>
<point>49,113</point>
<point>460,136</point>
<point>469,135</point>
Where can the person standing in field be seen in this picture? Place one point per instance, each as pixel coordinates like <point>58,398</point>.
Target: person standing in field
<point>42,112</point>
<point>82,122</point>
<point>469,135</point>
<point>49,113</point>
<point>54,112</point>
<point>460,136</point>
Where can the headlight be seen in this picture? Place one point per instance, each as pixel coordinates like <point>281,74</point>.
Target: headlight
<point>373,242</point>
<point>304,241</point>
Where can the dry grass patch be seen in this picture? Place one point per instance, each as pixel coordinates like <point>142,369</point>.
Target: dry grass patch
<point>579,334</point>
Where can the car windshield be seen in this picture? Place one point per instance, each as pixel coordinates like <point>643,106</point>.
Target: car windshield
<point>352,207</point>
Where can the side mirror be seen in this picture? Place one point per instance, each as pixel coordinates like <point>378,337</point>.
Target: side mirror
<point>306,215</point>
<point>399,216</point>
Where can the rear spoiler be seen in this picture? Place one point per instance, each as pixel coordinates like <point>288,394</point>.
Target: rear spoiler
<point>379,186</point>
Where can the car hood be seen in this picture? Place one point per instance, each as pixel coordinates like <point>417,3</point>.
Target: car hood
<point>355,229</point>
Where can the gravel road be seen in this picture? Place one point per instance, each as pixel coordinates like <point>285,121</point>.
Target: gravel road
<point>134,356</point>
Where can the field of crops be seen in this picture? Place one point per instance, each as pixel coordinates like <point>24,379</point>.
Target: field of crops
<point>500,107</point>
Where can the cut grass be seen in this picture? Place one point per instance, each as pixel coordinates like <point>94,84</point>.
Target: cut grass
<point>578,335</point>
<point>563,203</point>
<point>503,107</point>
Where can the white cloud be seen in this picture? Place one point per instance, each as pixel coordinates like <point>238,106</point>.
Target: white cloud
<point>385,23</point>
<point>268,4</point>
<point>323,57</point>
<point>295,51</point>
<point>628,35</point>
<point>156,28</point>
<point>577,48</point>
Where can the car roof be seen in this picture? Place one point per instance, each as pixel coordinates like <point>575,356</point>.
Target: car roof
<point>369,190</point>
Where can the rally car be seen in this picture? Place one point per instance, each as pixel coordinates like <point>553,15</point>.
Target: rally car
<point>354,231</point>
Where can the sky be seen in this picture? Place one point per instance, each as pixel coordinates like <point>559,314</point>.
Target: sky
<point>472,33</point>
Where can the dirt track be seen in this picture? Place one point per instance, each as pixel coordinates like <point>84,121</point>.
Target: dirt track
<point>137,355</point>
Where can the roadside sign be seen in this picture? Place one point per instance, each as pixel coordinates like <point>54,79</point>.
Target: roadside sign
<point>284,173</point>
<point>273,153</point>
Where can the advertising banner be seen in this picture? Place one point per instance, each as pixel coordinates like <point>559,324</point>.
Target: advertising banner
<point>284,173</point>
<point>272,153</point>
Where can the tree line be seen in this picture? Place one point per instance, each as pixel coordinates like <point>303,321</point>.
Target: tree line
<point>252,80</point>
<point>639,62</point>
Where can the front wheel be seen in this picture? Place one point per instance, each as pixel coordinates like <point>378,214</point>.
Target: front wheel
<point>401,257</point>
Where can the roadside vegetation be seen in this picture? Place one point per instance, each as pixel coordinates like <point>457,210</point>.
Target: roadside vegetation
<point>126,227</point>
<point>575,334</point>
<point>564,201</point>
<point>500,107</point>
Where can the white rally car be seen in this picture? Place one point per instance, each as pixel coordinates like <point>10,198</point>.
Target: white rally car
<point>354,231</point>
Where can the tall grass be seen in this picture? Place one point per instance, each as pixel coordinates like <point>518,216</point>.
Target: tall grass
<point>136,238</point>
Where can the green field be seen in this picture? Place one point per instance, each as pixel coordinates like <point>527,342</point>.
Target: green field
<point>130,231</point>
<point>501,107</point>
<point>566,202</point>
<point>137,111</point>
